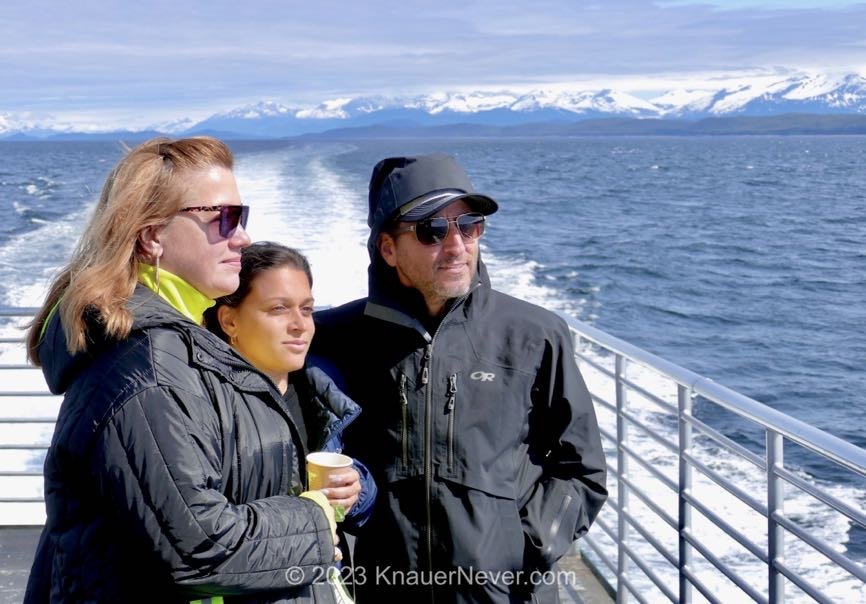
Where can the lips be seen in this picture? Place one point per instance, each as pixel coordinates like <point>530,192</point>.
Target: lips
<point>296,345</point>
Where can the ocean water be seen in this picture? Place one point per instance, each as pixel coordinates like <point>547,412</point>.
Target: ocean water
<point>740,258</point>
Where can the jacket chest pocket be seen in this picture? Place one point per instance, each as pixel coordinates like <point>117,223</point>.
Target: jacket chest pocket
<point>400,413</point>
<point>480,418</point>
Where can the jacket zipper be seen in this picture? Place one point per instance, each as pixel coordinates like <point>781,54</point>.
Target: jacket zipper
<point>404,406</point>
<point>428,457</point>
<point>428,435</point>
<point>278,400</point>
<point>452,400</point>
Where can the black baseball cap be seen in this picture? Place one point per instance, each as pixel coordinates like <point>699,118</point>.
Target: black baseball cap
<point>412,188</point>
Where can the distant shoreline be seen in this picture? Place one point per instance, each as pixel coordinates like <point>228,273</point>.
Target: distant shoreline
<point>791,124</point>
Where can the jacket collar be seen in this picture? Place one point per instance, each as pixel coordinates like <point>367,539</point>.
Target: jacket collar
<point>182,296</point>
<point>60,368</point>
<point>326,409</point>
<point>389,300</point>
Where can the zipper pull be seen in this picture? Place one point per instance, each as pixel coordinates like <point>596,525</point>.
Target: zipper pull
<point>403,398</point>
<point>404,424</point>
<point>425,364</point>
<point>452,391</point>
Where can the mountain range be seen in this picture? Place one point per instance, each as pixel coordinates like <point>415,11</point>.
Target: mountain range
<point>807,102</point>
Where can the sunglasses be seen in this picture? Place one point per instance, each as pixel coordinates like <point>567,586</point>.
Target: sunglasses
<point>433,231</point>
<point>230,217</point>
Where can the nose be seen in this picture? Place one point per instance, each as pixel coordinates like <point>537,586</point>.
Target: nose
<point>295,322</point>
<point>240,238</point>
<point>454,243</point>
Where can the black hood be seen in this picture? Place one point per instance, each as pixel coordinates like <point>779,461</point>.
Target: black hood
<point>60,367</point>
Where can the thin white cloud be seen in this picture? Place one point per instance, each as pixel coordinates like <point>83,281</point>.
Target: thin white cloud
<point>161,57</point>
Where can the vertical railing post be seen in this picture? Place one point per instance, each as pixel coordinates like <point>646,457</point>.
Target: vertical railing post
<point>684,405</point>
<point>775,505</point>
<point>621,490</point>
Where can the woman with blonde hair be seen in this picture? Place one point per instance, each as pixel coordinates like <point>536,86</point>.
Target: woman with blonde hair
<point>169,476</point>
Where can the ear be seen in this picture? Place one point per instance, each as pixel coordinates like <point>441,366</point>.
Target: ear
<point>388,249</point>
<point>228,318</point>
<point>150,242</point>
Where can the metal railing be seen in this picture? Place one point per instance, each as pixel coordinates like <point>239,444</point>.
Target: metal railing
<point>668,474</point>
<point>652,542</point>
<point>27,415</point>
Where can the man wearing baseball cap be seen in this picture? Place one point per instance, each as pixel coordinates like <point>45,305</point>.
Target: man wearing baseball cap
<point>477,424</point>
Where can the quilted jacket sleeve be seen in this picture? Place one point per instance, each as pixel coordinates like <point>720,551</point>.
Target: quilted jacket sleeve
<point>162,474</point>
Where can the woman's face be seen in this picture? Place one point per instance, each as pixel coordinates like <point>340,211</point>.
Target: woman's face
<point>273,325</point>
<point>192,247</point>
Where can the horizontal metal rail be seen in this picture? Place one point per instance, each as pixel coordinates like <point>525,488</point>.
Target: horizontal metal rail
<point>837,504</point>
<point>657,400</point>
<point>18,311</point>
<point>723,441</point>
<point>18,481</point>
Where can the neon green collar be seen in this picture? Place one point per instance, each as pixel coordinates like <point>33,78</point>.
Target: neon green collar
<point>182,296</point>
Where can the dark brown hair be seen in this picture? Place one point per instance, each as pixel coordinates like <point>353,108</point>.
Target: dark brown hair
<point>255,260</point>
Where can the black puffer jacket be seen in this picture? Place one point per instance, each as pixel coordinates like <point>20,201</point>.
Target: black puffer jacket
<point>481,436</point>
<point>170,472</point>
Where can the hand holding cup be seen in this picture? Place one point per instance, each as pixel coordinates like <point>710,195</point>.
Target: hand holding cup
<point>343,489</point>
<point>334,476</point>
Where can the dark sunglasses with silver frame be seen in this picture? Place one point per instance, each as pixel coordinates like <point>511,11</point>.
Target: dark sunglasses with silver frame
<point>230,216</point>
<point>433,231</point>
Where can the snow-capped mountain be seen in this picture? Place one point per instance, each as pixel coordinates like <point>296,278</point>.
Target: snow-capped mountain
<point>798,94</point>
<point>490,108</point>
<point>175,126</point>
<point>802,93</point>
<point>12,124</point>
<point>587,103</point>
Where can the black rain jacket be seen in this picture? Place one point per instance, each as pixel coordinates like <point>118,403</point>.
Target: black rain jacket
<point>480,433</point>
<point>170,473</point>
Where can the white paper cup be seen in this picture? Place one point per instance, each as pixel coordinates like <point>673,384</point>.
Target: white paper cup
<point>320,466</point>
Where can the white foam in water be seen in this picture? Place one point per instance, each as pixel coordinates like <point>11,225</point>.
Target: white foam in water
<point>22,259</point>
<point>296,200</point>
<point>517,277</point>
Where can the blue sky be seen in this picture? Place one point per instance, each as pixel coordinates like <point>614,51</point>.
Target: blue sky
<point>141,62</point>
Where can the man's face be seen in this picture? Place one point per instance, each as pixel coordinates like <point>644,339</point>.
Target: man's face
<point>439,272</point>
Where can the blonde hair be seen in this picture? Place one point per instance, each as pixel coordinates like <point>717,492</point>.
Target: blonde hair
<point>142,191</point>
